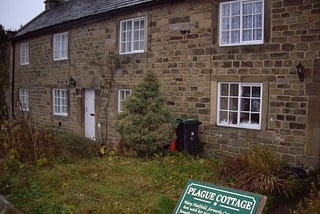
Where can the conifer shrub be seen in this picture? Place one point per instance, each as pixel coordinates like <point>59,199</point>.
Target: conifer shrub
<point>146,124</point>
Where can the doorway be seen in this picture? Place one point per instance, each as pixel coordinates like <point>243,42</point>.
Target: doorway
<point>89,114</point>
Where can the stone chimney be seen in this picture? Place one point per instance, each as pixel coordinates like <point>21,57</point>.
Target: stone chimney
<point>52,3</point>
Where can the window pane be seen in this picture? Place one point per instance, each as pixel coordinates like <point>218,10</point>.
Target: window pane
<point>142,24</point>
<point>255,118</point>
<point>258,21</point>
<point>256,91</point>
<point>247,22</point>
<point>235,22</point>
<point>224,89</point>
<point>244,118</point>
<point>234,89</point>
<point>235,8</point>
<point>233,117</point>
<point>258,7</point>
<point>225,23</point>
<point>225,37</point>
<point>245,104</point>
<point>235,36</point>
<point>65,45</point>
<point>257,35</point>
<point>123,37</point>
<point>247,35</point>
<point>136,46</point>
<point>255,105</point>
<point>129,25</point>
<point>65,109</point>
<point>225,9</point>
<point>136,35</point>
<point>127,93</point>
<point>142,35</point>
<point>121,95</point>
<point>136,25</point>
<point>122,26</point>
<point>57,101</point>
<point>247,8</point>
<point>223,117</point>
<point>246,91</point>
<point>233,104</point>
<point>224,103</point>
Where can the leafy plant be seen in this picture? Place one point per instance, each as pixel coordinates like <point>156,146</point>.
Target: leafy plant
<point>259,171</point>
<point>74,147</point>
<point>23,142</point>
<point>163,205</point>
<point>146,124</point>
<point>312,203</point>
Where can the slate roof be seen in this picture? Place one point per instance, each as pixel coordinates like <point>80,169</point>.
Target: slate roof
<point>76,9</point>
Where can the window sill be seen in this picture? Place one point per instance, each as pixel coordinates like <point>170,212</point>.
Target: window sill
<point>135,52</point>
<point>241,44</point>
<point>241,127</point>
<point>62,59</point>
<point>60,115</point>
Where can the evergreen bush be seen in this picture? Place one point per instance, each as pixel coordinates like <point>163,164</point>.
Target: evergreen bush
<point>145,124</point>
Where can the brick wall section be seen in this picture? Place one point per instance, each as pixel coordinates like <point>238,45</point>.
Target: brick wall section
<point>183,49</point>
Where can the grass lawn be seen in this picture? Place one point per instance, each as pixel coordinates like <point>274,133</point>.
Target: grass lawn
<point>108,185</point>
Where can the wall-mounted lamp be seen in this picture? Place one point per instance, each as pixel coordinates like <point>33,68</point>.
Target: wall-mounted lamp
<point>185,32</point>
<point>300,71</point>
<point>73,83</point>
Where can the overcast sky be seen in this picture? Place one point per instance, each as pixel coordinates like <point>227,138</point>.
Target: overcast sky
<point>14,13</point>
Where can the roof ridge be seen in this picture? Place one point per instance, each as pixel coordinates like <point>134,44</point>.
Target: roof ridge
<point>72,10</point>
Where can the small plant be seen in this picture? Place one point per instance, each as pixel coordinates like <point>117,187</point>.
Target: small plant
<point>163,205</point>
<point>74,147</point>
<point>312,203</point>
<point>146,124</point>
<point>22,142</point>
<point>259,171</point>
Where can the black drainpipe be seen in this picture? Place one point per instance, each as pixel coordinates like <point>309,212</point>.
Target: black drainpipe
<point>13,78</point>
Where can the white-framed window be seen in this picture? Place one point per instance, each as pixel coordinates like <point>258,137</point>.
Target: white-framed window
<point>60,102</point>
<point>122,96</point>
<point>132,38</point>
<point>60,46</point>
<point>241,22</point>
<point>24,99</point>
<point>240,105</point>
<point>24,53</point>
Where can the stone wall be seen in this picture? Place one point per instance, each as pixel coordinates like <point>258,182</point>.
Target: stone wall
<point>183,50</point>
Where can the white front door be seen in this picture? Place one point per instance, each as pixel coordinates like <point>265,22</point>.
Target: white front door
<point>89,114</point>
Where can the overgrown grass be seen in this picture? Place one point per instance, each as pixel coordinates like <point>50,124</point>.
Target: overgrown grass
<point>108,185</point>
<point>43,171</point>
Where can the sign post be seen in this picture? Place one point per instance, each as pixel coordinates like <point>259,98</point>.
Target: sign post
<point>201,198</point>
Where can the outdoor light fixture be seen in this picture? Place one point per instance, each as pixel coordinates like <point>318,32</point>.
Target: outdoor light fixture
<point>73,83</point>
<point>184,31</point>
<point>300,71</point>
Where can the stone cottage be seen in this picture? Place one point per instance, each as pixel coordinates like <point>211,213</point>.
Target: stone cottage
<point>233,65</point>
